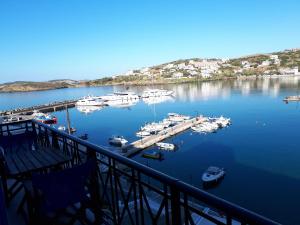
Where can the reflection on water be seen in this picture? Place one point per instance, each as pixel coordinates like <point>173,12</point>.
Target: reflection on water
<point>158,100</point>
<point>88,109</point>
<point>184,92</point>
<point>223,89</point>
<point>124,103</point>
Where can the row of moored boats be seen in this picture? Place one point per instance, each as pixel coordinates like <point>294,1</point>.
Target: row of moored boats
<point>119,98</point>
<point>211,125</point>
<point>157,127</point>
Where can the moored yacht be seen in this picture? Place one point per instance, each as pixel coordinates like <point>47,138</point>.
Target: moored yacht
<point>165,146</point>
<point>206,127</point>
<point>90,101</point>
<point>153,128</point>
<point>120,96</point>
<point>117,140</point>
<point>213,174</point>
<point>175,117</point>
<point>143,133</point>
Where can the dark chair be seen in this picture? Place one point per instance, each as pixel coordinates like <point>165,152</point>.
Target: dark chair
<point>62,197</point>
<point>11,144</point>
<point>3,215</point>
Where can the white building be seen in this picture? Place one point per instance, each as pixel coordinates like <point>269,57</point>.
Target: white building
<point>192,72</point>
<point>206,73</point>
<point>290,71</point>
<point>181,66</point>
<point>144,70</point>
<point>168,66</point>
<point>275,59</point>
<point>130,72</point>
<point>246,65</point>
<point>177,75</point>
<point>265,63</point>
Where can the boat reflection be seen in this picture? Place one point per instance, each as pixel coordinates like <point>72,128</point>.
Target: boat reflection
<point>89,109</point>
<point>124,103</point>
<point>157,100</point>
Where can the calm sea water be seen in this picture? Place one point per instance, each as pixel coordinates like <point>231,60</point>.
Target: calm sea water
<point>260,151</point>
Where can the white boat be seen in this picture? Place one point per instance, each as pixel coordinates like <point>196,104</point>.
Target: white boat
<point>120,96</point>
<point>156,93</point>
<point>165,146</point>
<point>61,128</point>
<point>175,117</point>
<point>90,101</point>
<point>213,174</point>
<point>153,127</point>
<point>117,140</point>
<point>143,133</point>
<point>206,127</point>
<point>221,121</point>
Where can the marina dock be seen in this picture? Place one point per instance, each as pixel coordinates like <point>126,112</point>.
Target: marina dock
<point>45,108</point>
<point>146,142</point>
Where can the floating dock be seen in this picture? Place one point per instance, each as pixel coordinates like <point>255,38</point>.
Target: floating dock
<point>146,142</point>
<point>45,108</point>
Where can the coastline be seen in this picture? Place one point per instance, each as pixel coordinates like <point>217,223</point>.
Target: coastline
<point>156,82</point>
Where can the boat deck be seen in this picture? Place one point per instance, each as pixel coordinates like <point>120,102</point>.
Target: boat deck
<point>146,142</point>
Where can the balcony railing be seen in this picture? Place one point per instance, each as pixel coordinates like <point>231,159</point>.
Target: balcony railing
<point>132,193</point>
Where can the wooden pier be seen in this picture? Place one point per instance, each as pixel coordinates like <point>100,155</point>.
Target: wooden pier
<point>45,108</point>
<point>146,142</point>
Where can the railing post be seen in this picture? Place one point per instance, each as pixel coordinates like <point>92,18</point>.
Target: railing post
<point>55,143</point>
<point>175,206</point>
<point>1,130</point>
<point>96,199</point>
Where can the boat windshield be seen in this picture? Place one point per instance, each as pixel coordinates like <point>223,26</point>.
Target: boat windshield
<point>213,170</point>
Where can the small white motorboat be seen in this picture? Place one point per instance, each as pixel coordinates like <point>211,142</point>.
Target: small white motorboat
<point>213,174</point>
<point>61,128</point>
<point>165,146</point>
<point>117,140</point>
<point>175,117</point>
<point>222,121</point>
<point>143,133</point>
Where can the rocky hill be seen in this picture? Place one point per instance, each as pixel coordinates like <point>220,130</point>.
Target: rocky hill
<point>23,86</point>
<point>184,70</point>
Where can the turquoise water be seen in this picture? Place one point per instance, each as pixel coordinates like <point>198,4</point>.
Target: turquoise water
<point>260,151</point>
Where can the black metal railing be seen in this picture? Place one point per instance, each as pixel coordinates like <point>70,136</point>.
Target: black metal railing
<point>132,193</point>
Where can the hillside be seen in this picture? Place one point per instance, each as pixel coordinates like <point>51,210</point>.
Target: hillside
<point>187,70</point>
<point>183,70</point>
<point>24,86</point>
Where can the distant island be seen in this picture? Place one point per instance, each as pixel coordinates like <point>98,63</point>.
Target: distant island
<point>285,62</point>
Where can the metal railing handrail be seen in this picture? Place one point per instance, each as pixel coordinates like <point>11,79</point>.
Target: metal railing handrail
<point>219,203</point>
<point>227,207</point>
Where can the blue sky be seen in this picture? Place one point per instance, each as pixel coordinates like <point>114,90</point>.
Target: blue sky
<point>86,39</point>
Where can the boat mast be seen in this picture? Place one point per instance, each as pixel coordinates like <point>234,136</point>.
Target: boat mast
<point>68,120</point>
